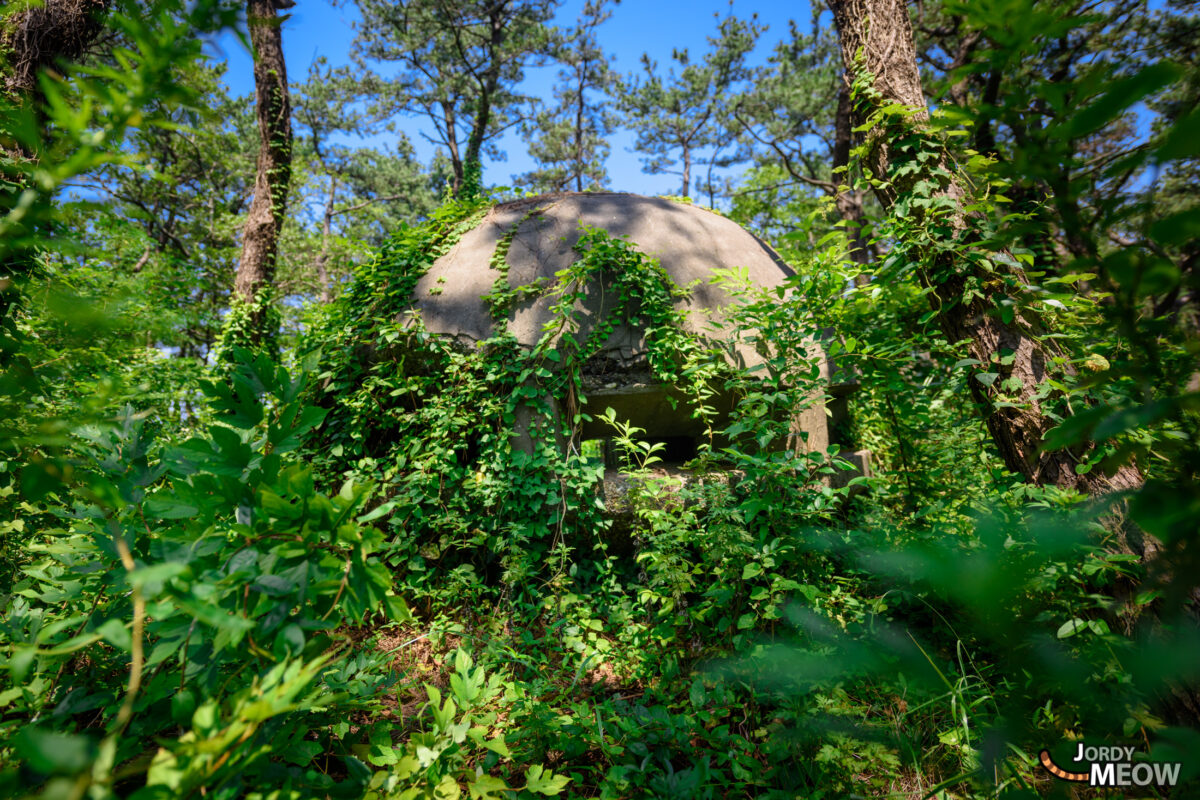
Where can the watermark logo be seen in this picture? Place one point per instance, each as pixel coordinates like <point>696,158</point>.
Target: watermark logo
<point>1113,767</point>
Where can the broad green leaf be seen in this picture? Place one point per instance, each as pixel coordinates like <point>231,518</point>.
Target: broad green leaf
<point>498,746</point>
<point>1071,627</point>
<point>302,752</point>
<point>21,662</point>
<point>1182,140</point>
<point>1121,95</point>
<point>116,634</point>
<point>1075,429</point>
<point>156,573</point>
<point>1129,418</point>
<point>543,781</point>
<point>1177,229</point>
<point>183,706</point>
<point>166,506</point>
<point>986,378</point>
<point>273,585</point>
<point>52,753</point>
<point>488,787</point>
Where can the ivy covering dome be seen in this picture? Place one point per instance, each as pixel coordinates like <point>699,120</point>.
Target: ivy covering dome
<point>508,273</point>
<point>528,242</point>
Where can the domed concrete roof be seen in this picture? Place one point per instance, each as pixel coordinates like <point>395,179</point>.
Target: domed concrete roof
<point>689,242</point>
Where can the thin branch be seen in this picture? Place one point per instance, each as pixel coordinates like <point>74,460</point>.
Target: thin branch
<point>365,203</point>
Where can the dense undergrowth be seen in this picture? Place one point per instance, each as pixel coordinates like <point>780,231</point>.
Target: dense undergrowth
<point>240,596</point>
<point>342,577</point>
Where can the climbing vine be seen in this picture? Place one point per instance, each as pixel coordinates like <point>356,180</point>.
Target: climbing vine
<point>476,447</point>
<point>251,325</point>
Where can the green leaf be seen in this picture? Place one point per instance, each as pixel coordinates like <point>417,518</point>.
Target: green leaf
<point>397,609</point>
<point>183,706</point>
<point>1182,140</point>
<point>1162,510</point>
<point>205,718</point>
<point>279,507</point>
<point>381,753</point>
<point>987,378</point>
<point>1129,418</point>
<point>377,512</point>
<point>116,634</point>
<point>1159,276</point>
<point>164,506</point>
<point>302,752</point>
<point>447,789</point>
<point>1074,430</point>
<point>156,573</point>
<point>751,570</point>
<point>1177,229</point>
<point>498,746</point>
<point>290,640</point>
<point>9,695</point>
<point>543,781</point>
<point>488,787</point>
<point>1071,627</point>
<point>274,585</point>
<point>53,753</point>
<point>21,662</point>
<point>1121,95</point>
<point>40,479</point>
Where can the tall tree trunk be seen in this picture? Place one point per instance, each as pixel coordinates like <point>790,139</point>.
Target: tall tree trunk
<point>849,203</point>
<point>260,243</point>
<point>322,261</point>
<point>473,159</point>
<point>456,164</point>
<point>579,166</point>
<point>687,171</point>
<point>880,30</point>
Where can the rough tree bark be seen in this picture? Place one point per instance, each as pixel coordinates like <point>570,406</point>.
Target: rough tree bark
<point>879,32</point>
<point>579,108</point>
<point>260,243</point>
<point>322,261</point>
<point>849,203</point>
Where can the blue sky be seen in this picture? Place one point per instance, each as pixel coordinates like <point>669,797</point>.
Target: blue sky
<point>316,28</point>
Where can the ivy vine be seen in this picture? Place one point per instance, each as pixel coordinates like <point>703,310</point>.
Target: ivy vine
<point>432,422</point>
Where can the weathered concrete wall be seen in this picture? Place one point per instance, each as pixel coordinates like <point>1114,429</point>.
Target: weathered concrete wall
<point>690,244</point>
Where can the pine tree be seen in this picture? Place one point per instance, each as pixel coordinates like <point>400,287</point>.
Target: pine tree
<point>460,63</point>
<point>254,322</point>
<point>363,192</point>
<point>568,140</point>
<point>677,116</point>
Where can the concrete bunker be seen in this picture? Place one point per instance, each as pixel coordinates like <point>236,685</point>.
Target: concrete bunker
<point>526,243</point>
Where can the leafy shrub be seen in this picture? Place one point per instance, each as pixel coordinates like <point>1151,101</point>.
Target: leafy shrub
<point>197,593</point>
